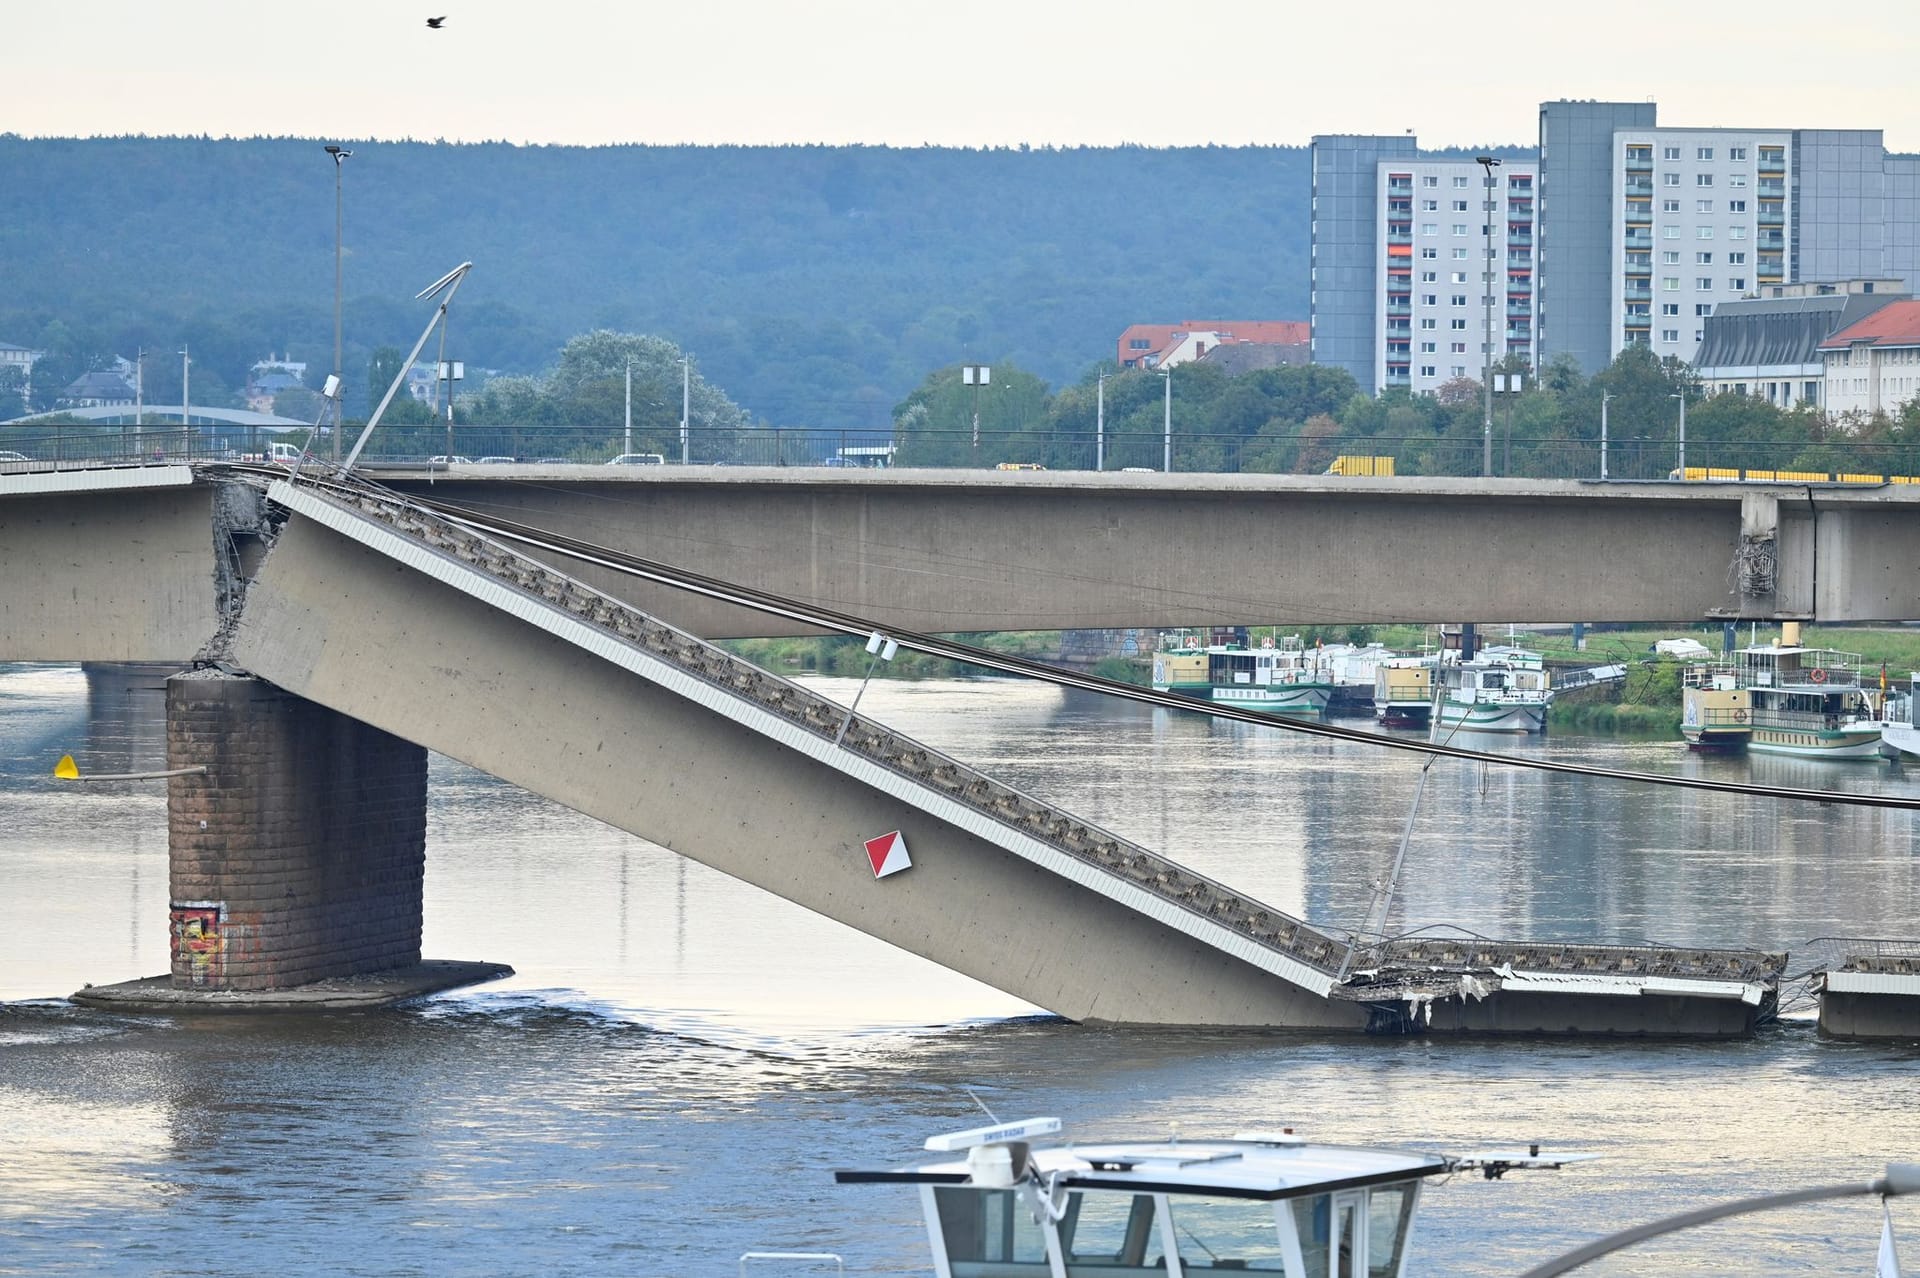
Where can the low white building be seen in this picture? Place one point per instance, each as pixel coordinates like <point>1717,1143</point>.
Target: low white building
<point>1873,366</point>
<point>1768,345</point>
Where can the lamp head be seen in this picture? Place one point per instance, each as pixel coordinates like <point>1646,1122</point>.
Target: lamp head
<point>338,153</point>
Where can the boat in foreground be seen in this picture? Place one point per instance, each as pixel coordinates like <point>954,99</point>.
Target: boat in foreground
<point>1002,1206</point>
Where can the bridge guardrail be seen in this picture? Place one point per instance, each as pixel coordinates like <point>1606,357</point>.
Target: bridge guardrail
<point>1636,460</point>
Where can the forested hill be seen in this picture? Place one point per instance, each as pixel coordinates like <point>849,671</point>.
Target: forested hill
<point>815,284</point>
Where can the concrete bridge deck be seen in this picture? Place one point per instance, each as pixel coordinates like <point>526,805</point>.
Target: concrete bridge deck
<point>443,637</point>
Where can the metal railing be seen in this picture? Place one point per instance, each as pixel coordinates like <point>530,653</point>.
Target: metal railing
<point>581,453</point>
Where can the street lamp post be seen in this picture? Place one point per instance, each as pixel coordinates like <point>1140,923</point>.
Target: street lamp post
<point>686,401</point>
<point>976,376</point>
<point>339,155</point>
<point>1100,424</point>
<point>626,445</point>
<point>1604,397</point>
<point>1683,433</point>
<point>1489,163</point>
<point>1166,459</point>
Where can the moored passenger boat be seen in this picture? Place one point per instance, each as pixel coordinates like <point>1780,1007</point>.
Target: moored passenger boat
<point>1502,689</point>
<point>1403,692</point>
<point>1808,702</point>
<point>1275,678</point>
<point>1716,711</point>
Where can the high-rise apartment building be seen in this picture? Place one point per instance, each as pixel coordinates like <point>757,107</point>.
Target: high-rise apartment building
<point>1401,249</point>
<point>1624,232</point>
<point>1644,230</point>
<point>1348,250</point>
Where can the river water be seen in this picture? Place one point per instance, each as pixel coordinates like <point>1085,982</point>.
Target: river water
<point>682,1060</point>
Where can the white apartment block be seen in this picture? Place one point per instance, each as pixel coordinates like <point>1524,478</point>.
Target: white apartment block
<point>1437,222</point>
<point>1704,220</point>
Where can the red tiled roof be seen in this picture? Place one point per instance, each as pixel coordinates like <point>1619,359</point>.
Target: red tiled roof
<point>1895,324</point>
<point>1266,332</point>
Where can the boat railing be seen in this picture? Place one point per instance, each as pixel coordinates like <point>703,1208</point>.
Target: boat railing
<point>1723,717</point>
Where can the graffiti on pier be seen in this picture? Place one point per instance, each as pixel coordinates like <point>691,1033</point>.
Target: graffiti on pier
<point>198,931</point>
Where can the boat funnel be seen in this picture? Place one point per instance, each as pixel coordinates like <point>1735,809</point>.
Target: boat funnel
<point>1789,634</point>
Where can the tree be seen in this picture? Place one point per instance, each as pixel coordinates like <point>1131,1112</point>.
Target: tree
<point>384,366</point>
<point>933,426</point>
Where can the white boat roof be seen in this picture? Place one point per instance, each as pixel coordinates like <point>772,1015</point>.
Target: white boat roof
<point>1244,1167</point>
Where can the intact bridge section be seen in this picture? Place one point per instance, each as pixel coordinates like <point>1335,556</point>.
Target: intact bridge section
<point>438,637</point>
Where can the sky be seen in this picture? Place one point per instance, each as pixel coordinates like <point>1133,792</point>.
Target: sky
<point>907,73</point>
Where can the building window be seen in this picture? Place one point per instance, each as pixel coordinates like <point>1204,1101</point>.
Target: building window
<point>1459,348</point>
<point>1457,277</point>
<point>1458,325</point>
<point>1429,206</point>
<point>1669,232</point>
<point>1669,206</point>
<point>1427,348</point>
<point>1703,259</point>
<point>1699,309</point>
<point>1428,254</point>
<point>1669,152</point>
<point>1736,206</point>
<point>1703,179</point>
<point>1429,277</point>
<point>1139,344</point>
<point>1670,283</point>
<point>1459,228</point>
<point>1459,206</point>
<point>1670,308</point>
<point>1703,206</point>
<point>1669,179</point>
<point>1736,179</point>
<point>1669,334</point>
<point>1738,282</point>
<point>1736,153</point>
<point>1736,259</point>
<point>1670,257</point>
<point>1429,228</point>
<point>1459,370</point>
<point>1704,153</point>
<point>1426,323</point>
<point>1460,184</point>
<point>1703,232</point>
<point>1736,232</point>
<point>1426,370</point>
<point>1703,284</point>
<point>1458,299</point>
<point>1459,255</point>
<point>1429,299</point>
<point>1429,181</point>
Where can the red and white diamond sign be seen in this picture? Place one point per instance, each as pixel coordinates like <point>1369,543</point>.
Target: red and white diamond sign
<point>888,854</point>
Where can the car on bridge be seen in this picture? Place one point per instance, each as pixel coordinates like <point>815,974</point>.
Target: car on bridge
<point>12,463</point>
<point>638,459</point>
<point>498,461</point>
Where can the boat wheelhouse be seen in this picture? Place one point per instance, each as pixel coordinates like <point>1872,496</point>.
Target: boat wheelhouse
<point>1276,678</point>
<point>1502,689</point>
<point>1260,1202</point>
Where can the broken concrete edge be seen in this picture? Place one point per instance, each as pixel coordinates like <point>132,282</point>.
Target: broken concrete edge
<point>365,992</point>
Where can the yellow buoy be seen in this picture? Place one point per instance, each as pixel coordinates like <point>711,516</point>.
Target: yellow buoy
<point>66,770</point>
